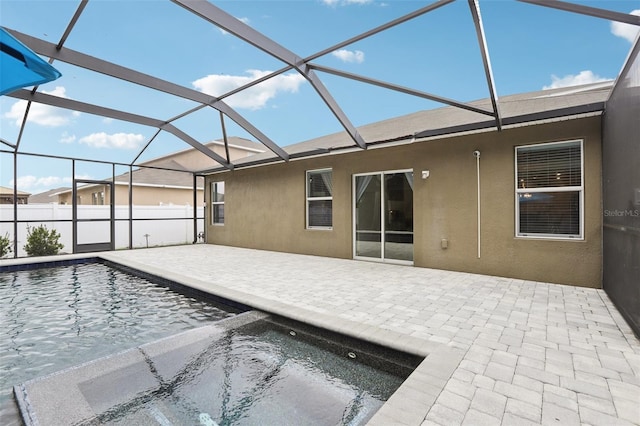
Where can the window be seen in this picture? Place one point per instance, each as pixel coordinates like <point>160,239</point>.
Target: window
<point>550,190</point>
<point>97,198</point>
<point>217,203</point>
<point>319,199</point>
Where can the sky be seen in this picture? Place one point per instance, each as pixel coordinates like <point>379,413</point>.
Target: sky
<point>530,47</point>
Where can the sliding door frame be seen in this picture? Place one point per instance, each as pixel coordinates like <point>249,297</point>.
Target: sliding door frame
<point>383,258</point>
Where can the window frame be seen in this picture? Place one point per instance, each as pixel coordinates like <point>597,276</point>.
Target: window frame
<point>547,189</point>
<point>97,198</point>
<point>308,199</point>
<point>214,186</point>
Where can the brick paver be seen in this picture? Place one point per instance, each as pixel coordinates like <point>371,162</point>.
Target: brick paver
<point>529,352</point>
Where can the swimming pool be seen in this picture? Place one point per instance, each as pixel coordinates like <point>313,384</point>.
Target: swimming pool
<point>56,317</point>
<point>235,367</point>
<point>253,369</point>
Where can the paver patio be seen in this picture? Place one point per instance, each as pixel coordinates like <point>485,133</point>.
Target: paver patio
<point>498,350</point>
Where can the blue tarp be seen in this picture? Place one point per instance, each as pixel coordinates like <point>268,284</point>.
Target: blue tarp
<point>20,66</point>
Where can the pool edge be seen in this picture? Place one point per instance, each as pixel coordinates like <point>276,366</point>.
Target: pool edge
<point>410,403</point>
<point>24,392</point>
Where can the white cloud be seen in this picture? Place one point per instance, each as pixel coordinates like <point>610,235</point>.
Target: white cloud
<point>67,138</point>
<point>107,120</point>
<point>34,184</point>
<point>584,77</point>
<point>116,140</point>
<point>355,56</point>
<point>41,114</point>
<point>30,183</point>
<point>255,97</point>
<point>626,31</point>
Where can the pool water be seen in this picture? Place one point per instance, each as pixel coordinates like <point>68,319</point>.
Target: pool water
<point>54,318</point>
<point>253,369</point>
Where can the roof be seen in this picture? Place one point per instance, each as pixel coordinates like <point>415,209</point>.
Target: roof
<point>241,143</point>
<point>160,177</point>
<point>232,142</point>
<point>165,171</point>
<point>519,109</point>
<point>9,191</point>
<point>165,175</point>
<point>47,196</point>
<point>309,64</point>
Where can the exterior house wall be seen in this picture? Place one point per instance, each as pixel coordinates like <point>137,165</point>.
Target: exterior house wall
<point>154,196</point>
<point>142,196</point>
<point>84,195</point>
<point>8,199</point>
<point>7,196</point>
<point>265,206</point>
<point>153,190</point>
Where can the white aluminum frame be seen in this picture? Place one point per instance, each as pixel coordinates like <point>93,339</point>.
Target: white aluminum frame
<point>579,189</point>
<point>306,186</point>
<point>382,258</point>
<point>216,203</point>
<point>291,61</point>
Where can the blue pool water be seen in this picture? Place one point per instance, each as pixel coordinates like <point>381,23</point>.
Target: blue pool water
<point>54,318</point>
<point>255,369</point>
<point>261,373</point>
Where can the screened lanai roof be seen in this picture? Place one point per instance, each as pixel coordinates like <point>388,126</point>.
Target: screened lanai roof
<point>143,79</point>
<point>422,126</point>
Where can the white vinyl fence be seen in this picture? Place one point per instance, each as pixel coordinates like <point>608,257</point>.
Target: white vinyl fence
<point>149,228</point>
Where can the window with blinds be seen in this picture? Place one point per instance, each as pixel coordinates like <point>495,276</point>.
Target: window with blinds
<point>217,203</point>
<point>319,199</point>
<point>550,190</point>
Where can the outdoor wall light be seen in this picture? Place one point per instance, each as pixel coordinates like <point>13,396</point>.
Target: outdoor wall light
<point>425,174</point>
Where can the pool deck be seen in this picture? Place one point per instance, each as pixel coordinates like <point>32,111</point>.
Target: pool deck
<point>498,350</point>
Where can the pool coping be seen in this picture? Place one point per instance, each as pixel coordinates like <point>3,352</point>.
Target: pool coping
<point>29,263</point>
<point>410,403</point>
<point>370,333</point>
<point>87,392</point>
<point>42,397</point>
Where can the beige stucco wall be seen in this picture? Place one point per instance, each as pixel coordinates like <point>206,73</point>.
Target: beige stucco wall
<point>154,196</point>
<point>84,195</point>
<point>142,196</point>
<point>265,206</point>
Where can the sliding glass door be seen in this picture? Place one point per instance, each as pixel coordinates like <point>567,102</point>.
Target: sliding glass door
<point>383,216</point>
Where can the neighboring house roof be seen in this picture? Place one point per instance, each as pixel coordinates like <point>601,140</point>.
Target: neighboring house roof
<point>4,191</point>
<point>153,177</point>
<point>159,177</point>
<point>232,141</point>
<point>242,143</point>
<point>516,110</point>
<point>47,197</point>
<point>166,172</point>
